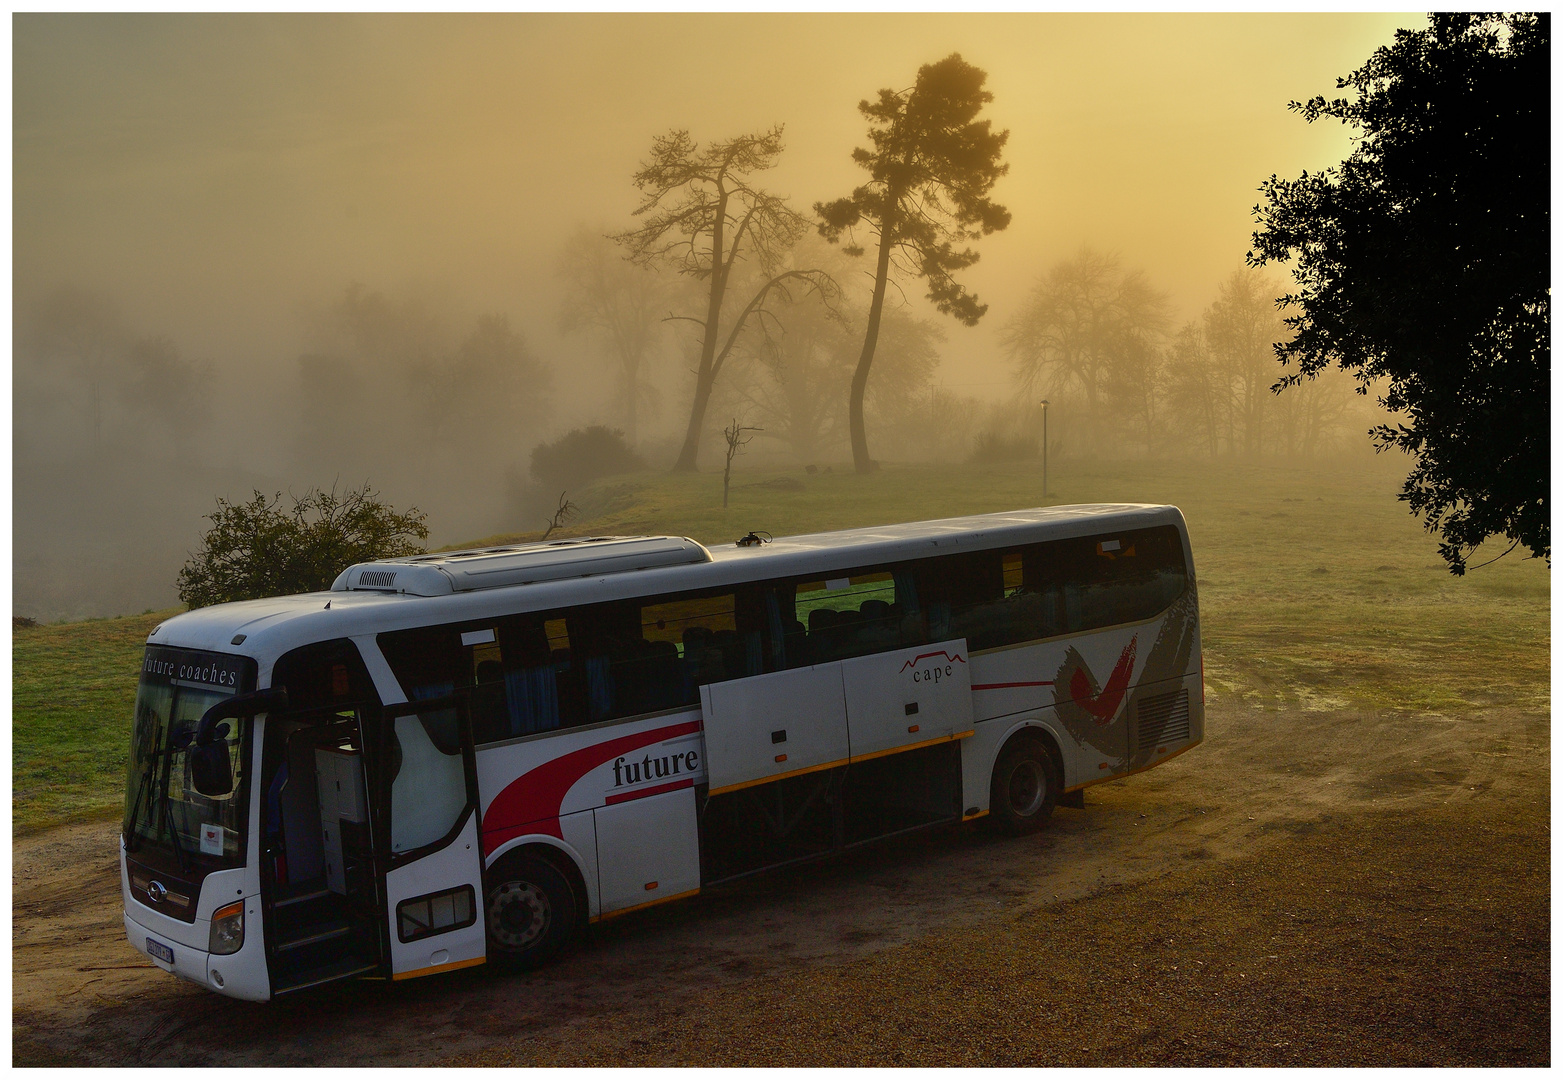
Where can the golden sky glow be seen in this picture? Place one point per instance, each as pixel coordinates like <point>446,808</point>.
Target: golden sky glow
<point>214,172</point>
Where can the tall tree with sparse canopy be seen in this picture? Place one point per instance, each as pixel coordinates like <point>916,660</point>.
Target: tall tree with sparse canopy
<point>1424,260</point>
<point>930,171</point>
<point>704,216</point>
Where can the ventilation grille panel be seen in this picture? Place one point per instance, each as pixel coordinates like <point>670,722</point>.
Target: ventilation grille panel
<point>376,579</point>
<point>1162,720</point>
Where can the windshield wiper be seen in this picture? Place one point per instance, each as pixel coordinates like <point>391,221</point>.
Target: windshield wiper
<point>143,800</point>
<point>155,797</point>
<point>177,740</point>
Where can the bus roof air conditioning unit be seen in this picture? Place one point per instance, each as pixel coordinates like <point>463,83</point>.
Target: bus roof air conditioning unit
<point>445,572</point>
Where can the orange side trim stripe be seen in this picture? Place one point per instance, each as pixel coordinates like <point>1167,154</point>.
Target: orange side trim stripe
<point>777,776</point>
<point>437,968</point>
<point>843,761</point>
<point>616,912</point>
<point>912,746</point>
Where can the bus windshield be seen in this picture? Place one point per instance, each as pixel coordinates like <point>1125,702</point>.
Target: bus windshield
<point>165,817</point>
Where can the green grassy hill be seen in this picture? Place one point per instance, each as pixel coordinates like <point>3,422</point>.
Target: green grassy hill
<point>1316,587</point>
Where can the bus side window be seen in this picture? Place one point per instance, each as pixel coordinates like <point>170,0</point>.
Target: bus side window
<point>853,614</point>
<point>1021,612</point>
<point>427,661</point>
<point>1090,582</point>
<point>690,641</point>
<point>964,595</point>
<point>527,694</point>
<point>1135,574</point>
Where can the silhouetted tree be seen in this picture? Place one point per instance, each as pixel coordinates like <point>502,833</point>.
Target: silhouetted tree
<point>622,302</point>
<point>488,384</point>
<point>795,376</point>
<point>1090,324</point>
<point>162,385</point>
<point>581,456</point>
<point>1241,328</point>
<point>258,548</point>
<point>82,333</point>
<point>931,169</point>
<point>703,216</point>
<point>1198,393</point>
<point>1424,259</point>
<point>737,438</point>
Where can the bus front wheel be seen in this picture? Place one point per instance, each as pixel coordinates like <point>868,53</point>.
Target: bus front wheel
<point>1026,786</point>
<point>530,912</point>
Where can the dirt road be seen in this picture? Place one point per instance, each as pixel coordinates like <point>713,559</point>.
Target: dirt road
<point>1307,887</point>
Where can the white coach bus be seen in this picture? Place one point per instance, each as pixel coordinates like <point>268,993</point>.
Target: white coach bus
<point>471,755</point>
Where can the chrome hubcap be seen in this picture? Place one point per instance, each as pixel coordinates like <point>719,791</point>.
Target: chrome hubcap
<point>1027,788</point>
<point>518,914</point>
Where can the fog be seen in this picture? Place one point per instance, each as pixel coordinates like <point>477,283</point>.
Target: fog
<point>279,251</point>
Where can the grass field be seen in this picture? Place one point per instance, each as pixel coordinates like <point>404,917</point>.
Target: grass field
<point>1316,588</point>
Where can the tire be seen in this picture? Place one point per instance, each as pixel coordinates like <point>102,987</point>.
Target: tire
<point>1026,786</point>
<point>529,912</point>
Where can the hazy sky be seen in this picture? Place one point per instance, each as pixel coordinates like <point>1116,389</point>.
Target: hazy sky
<point>214,172</point>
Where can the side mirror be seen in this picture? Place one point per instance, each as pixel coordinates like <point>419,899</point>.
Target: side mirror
<point>272,700</point>
<point>211,770</point>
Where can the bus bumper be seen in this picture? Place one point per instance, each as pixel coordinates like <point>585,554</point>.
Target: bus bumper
<point>156,936</point>
<point>239,975</point>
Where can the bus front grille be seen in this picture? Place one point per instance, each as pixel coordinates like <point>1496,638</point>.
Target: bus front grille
<point>1162,720</point>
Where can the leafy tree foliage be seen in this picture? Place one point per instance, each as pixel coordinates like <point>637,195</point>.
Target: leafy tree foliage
<point>704,215</point>
<point>260,548</point>
<point>1093,327</point>
<point>1423,260</point>
<point>930,171</point>
<point>581,456</point>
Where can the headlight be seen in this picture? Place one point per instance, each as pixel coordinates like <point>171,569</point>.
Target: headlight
<point>228,929</point>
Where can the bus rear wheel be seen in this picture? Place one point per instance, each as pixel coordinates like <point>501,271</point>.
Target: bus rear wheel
<point>529,912</point>
<point>1026,786</point>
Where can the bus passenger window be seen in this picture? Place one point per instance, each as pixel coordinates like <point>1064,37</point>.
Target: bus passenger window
<point>957,591</point>
<point>688,642</point>
<point>834,618</point>
<point>490,715</point>
<point>1097,581</point>
<point>558,638</point>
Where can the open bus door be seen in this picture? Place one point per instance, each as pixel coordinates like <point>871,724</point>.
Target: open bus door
<point>430,859</point>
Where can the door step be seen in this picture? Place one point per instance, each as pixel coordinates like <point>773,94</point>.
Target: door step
<point>302,898</point>
<point>316,935</point>
<point>346,968</point>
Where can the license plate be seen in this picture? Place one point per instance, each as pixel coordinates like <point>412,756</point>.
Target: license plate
<point>161,951</point>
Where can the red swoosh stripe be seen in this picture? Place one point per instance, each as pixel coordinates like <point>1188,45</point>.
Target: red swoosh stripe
<point>534,796</point>
<point>1104,706</point>
<point>641,793</point>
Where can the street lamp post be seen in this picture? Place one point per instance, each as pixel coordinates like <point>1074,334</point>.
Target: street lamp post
<point>1044,448</point>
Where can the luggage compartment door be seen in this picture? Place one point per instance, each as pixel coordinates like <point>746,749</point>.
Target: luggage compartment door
<point>907,698</point>
<point>770,726</point>
<point>648,849</point>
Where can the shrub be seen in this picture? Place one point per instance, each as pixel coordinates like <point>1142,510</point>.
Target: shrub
<point>258,548</point>
<point>580,457</point>
<point>993,447</point>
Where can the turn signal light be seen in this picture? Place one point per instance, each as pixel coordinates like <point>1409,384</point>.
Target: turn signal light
<point>227,929</point>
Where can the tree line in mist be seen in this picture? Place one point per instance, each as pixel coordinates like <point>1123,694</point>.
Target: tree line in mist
<point>717,301</point>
